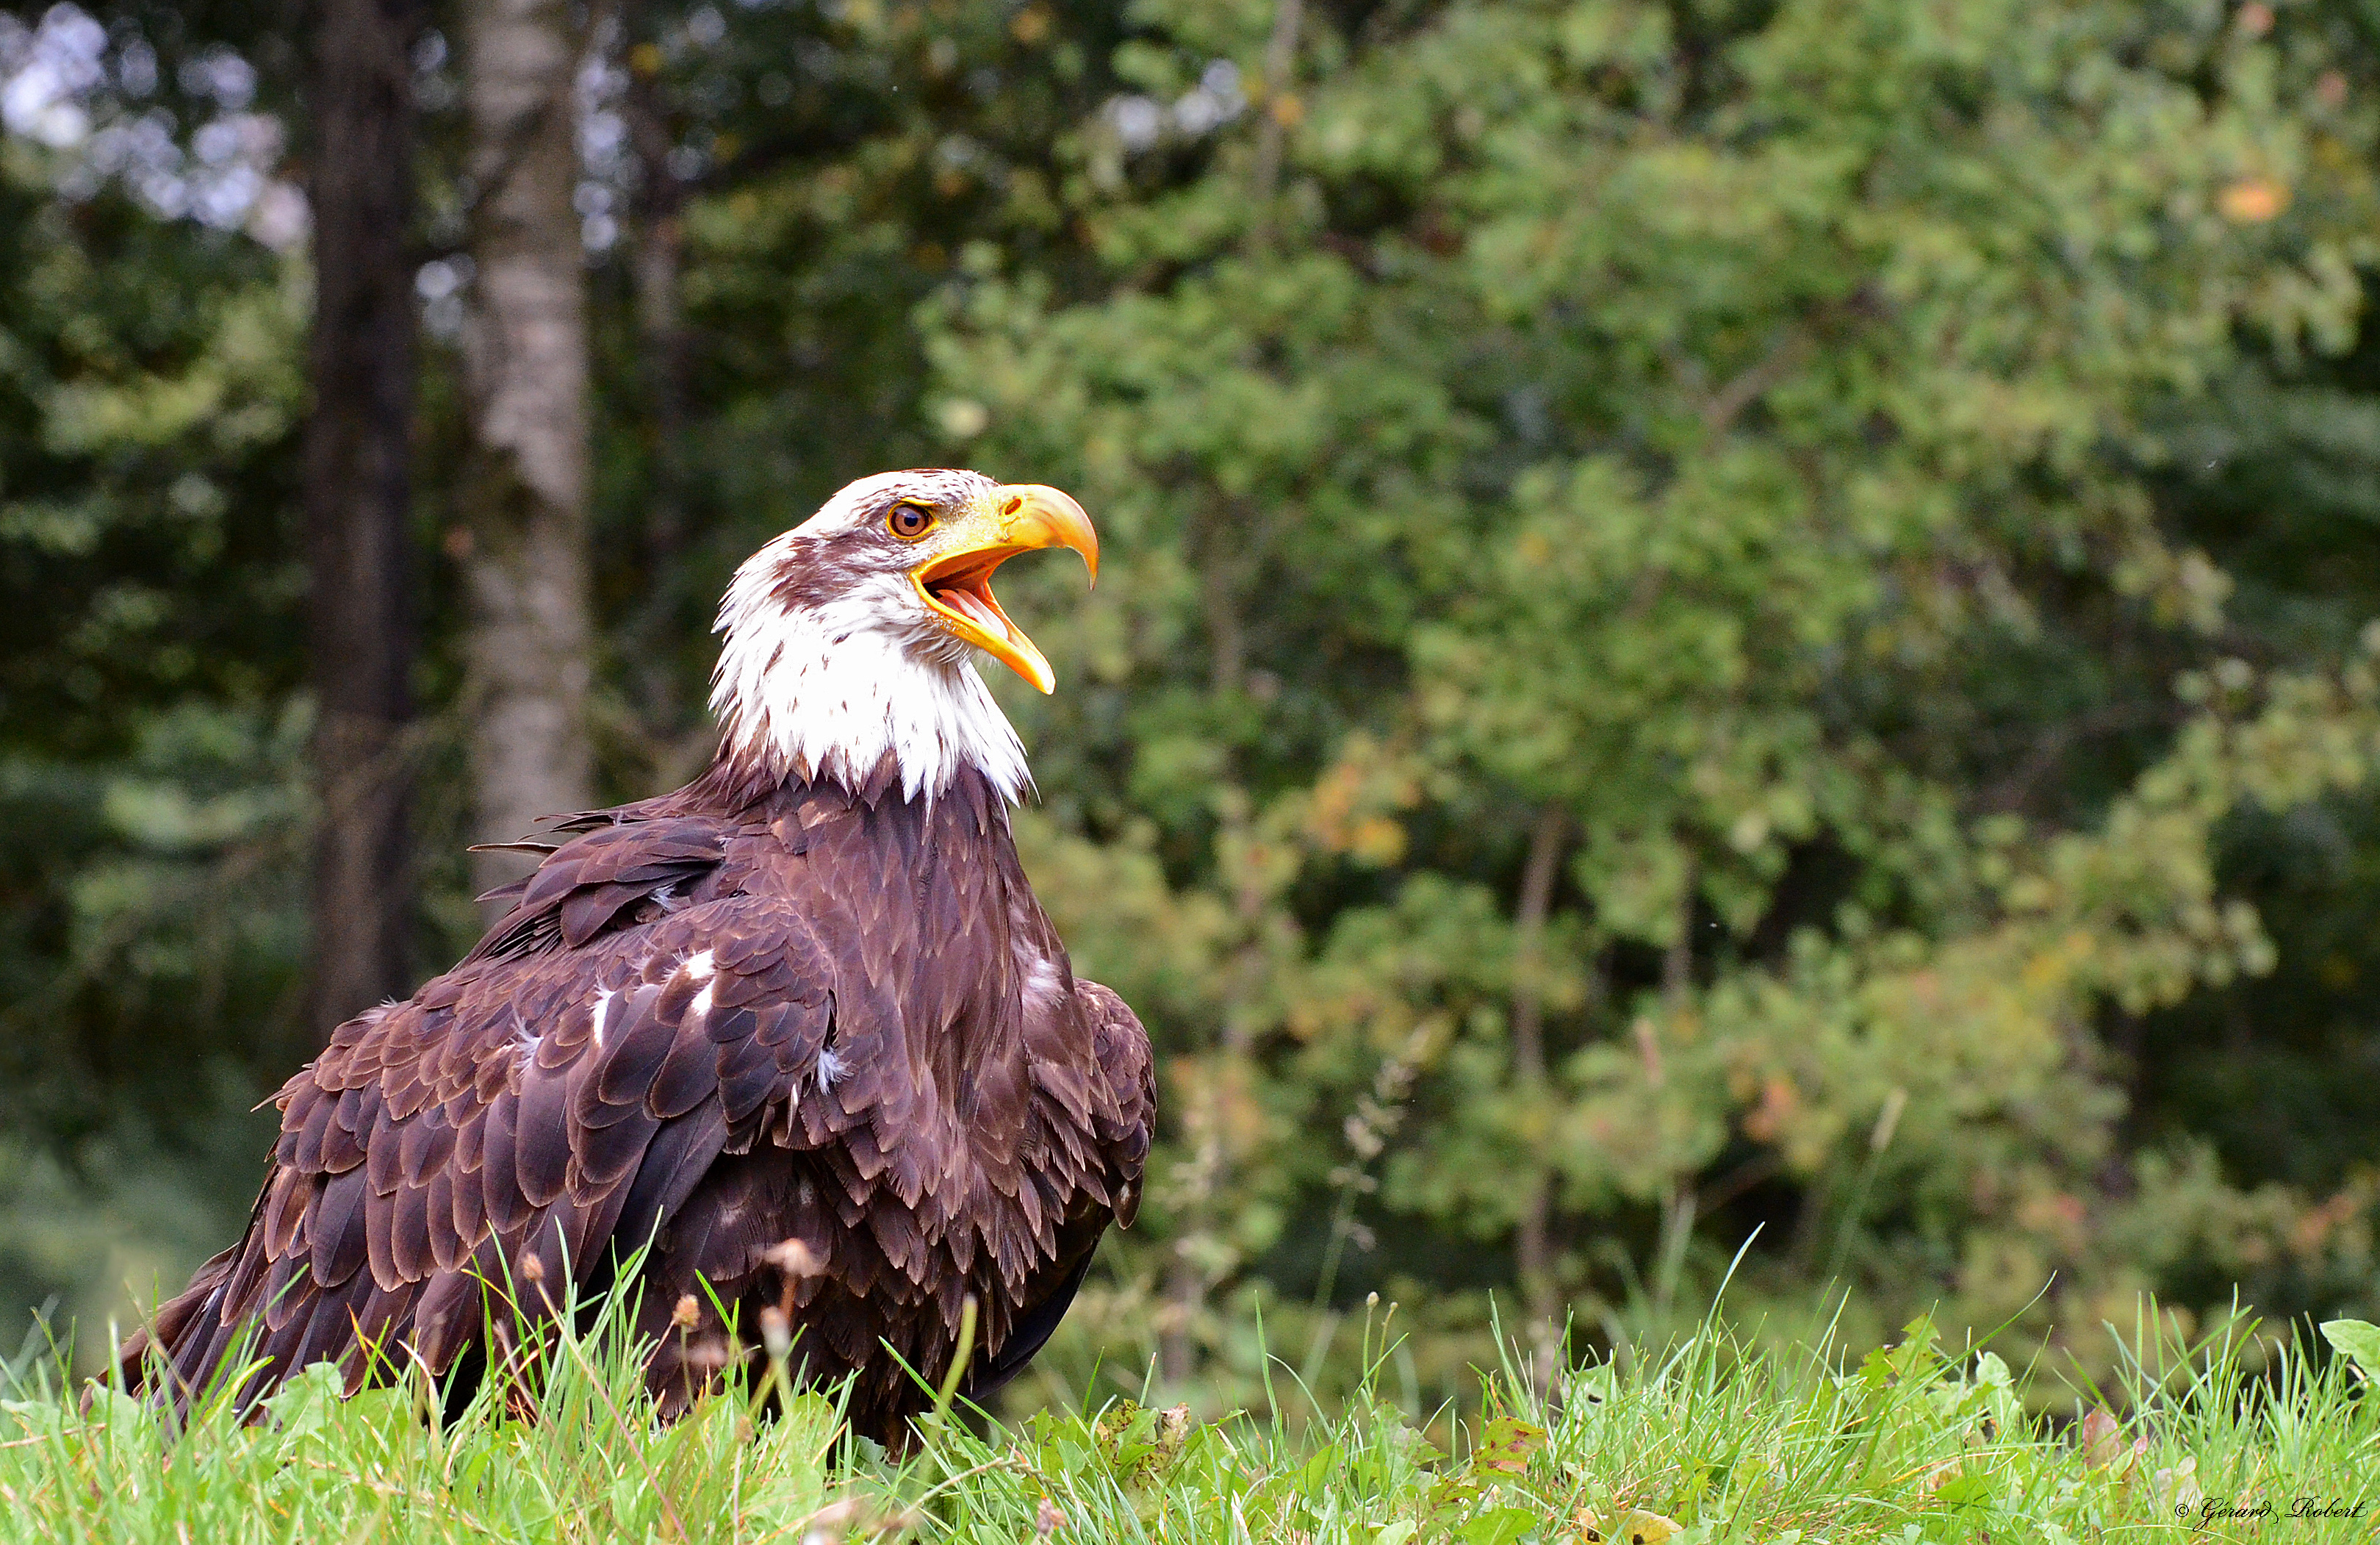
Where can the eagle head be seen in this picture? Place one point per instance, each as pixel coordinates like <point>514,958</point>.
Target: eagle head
<point>848,639</point>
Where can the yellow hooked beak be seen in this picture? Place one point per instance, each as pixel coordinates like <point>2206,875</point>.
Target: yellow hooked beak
<point>955,582</point>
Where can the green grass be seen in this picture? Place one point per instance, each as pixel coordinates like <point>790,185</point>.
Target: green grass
<point>1914,1442</point>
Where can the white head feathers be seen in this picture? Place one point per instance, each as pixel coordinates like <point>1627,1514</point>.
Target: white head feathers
<point>830,660</point>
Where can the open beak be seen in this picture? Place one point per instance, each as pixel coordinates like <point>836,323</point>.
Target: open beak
<point>955,583</point>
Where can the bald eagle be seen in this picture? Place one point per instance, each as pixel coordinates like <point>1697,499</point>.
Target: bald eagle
<point>799,1026</point>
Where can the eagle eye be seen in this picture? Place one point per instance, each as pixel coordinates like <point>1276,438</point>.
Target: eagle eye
<point>909,520</point>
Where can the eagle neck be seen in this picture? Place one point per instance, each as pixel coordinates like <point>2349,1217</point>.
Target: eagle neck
<point>814,689</point>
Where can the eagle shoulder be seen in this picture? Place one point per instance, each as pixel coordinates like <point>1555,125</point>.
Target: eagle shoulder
<point>624,870</point>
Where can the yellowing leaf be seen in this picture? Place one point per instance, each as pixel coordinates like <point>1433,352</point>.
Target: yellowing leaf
<point>2253,201</point>
<point>1506,1444</point>
<point>1636,1526</point>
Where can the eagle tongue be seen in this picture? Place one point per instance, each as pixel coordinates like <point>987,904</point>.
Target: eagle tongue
<point>967,601</point>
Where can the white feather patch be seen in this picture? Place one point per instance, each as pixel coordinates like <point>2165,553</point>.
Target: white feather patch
<point>1040,979</point>
<point>826,690</point>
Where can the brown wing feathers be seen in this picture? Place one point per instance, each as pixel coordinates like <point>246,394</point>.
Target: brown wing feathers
<point>583,886</point>
<point>828,1019</point>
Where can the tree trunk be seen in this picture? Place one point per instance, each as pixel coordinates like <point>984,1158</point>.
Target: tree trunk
<point>1280,110</point>
<point>524,483</point>
<point>1677,960</point>
<point>357,501</point>
<point>1533,1247</point>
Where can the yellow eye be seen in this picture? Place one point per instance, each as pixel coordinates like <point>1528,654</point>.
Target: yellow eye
<point>909,521</point>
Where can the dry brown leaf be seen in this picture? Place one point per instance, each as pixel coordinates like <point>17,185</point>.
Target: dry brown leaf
<point>2102,1438</point>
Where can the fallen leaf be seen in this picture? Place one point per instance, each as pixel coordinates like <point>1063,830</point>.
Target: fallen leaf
<point>1636,1526</point>
<point>2102,1438</point>
<point>1506,1444</point>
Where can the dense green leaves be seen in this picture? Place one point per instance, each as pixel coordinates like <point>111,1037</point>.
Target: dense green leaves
<point>1746,445</point>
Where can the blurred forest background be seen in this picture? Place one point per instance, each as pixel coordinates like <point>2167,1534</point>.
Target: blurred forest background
<point>1722,619</point>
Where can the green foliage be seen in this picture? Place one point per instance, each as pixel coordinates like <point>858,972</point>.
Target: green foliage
<point>2357,1340</point>
<point>1738,437</point>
